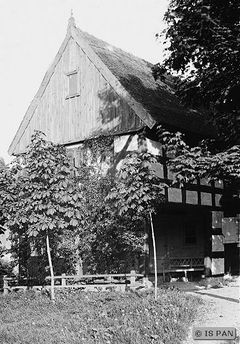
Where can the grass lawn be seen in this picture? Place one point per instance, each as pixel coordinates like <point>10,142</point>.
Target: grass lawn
<point>92,317</point>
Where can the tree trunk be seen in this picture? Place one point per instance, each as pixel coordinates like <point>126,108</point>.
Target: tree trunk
<point>51,269</point>
<point>154,256</point>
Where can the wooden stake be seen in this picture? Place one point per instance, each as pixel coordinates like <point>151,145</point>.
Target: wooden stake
<point>51,269</point>
<point>154,257</point>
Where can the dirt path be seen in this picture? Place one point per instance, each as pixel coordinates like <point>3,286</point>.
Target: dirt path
<point>221,309</point>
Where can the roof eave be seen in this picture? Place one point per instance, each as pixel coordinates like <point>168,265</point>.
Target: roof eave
<point>33,105</point>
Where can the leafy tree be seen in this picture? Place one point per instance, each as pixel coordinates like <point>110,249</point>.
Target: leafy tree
<point>138,192</point>
<point>204,47</point>
<point>203,39</point>
<point>41,200</point>
<point>109,242</point>
<point>189,163</point>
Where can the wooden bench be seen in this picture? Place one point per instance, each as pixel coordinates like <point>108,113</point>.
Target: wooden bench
<point>183,264</point>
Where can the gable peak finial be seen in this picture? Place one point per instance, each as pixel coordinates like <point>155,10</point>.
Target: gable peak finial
<point>71,20</point>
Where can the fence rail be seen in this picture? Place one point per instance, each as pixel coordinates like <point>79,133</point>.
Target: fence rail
<point>80,281</point>
<point>98,279</point>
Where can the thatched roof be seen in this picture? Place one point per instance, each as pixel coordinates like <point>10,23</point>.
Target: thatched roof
<point>157,98</point>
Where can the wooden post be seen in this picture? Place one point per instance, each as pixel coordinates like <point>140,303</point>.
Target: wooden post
<point>63,280</point>
<point>208,247</point>
<point>146,252</point>
<point>132,278</point>
<point>207,266</point>
<point>5,285</point>
<point>154,256</point>
<point>79,267</point>
<point>164,275</point>
<point>51,269</point>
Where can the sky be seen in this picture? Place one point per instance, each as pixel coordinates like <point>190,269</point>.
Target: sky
<point>31,32</point>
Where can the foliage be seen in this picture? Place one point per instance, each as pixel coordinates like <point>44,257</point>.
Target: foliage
<point>112,243</point>
<point>117,207</point>
<point>40,196</point>
<point>54,198</point>
<point>6,267</point>
<point>204,45</point>
<point>204,51</point>
<point>109,242</point>
<point>80,317</point>
<point>98,148</point>
<point>138,190</point>
<point>189,163</point>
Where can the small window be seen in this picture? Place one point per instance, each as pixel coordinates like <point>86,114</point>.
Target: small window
<point>190,237</point>
<point>73,90</point>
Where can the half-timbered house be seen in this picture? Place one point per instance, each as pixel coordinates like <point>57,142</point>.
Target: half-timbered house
<point>93,89</point>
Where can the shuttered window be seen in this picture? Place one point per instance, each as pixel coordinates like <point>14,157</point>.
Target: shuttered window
<point>73,89</point>
<point>72,83</point>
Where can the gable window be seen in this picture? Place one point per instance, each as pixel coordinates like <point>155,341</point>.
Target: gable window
<point>73,90</point>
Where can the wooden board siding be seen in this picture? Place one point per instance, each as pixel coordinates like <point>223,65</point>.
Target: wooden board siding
<point>96,110</point>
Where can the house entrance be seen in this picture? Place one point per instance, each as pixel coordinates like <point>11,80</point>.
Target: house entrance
<point>180,241</point>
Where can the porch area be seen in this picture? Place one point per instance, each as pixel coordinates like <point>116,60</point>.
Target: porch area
<point>183,242</point>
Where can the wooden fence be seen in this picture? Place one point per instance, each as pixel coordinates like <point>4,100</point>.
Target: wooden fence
<point>84,282</point>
